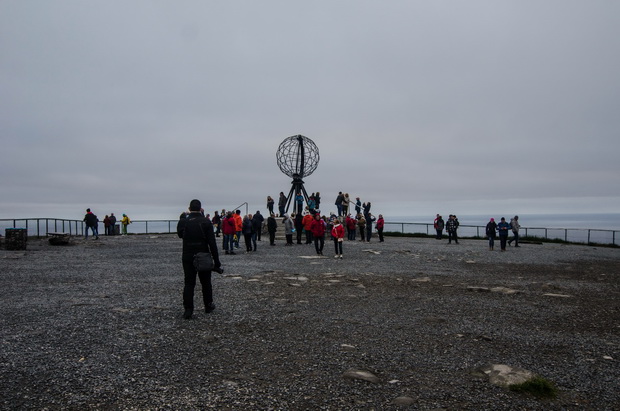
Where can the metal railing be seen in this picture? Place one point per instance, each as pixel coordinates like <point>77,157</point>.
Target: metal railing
<point>572,235</point>
<point>39,227</point>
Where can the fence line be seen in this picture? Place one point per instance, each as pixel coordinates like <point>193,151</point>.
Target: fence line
<point>40,227</point>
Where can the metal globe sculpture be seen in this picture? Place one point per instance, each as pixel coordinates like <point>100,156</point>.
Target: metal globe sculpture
<point>297,157</point>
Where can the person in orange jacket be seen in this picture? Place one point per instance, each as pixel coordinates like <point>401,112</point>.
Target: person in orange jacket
<point>238,226</point>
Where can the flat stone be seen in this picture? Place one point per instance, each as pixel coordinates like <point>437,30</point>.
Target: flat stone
<point>504,375</point>
<point>297,278</point>
<point>504,290</point>
<point>422,280</point>
<point>361,375</point>
<point>557,295</point>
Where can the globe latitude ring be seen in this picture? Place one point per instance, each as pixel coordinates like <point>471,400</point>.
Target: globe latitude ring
<point>297,156</point>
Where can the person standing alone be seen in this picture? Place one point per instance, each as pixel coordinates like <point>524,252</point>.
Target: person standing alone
<point>451,227</point>
<point>198,237</point>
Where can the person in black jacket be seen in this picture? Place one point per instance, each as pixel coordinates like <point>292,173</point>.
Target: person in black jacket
<point>197,234</point>
<point>92,222</point>
<point>272,226</point>
<point>257,222</point>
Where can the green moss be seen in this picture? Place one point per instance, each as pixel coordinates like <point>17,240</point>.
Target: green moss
<point>538,387</point>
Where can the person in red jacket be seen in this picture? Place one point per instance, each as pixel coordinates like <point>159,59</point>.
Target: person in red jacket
<point>351,224</point>
<point>338,236</point>
<point>229,229</point>
<point>318,233</point>
<point>307,223</point>
<point>380,224</point>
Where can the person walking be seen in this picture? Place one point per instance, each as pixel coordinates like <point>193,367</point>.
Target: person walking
<point>198,237</point>
<point>514,226</point>
<point>451,227</point>
<point>318,233</point>
<point>217,223</point>
<point>125,222</point>
<point>338,237</point>
<point>247,230</point>
<point>491,232</point>
<point>380,225</point>
<point>503,227</point>
<point>91,221</point>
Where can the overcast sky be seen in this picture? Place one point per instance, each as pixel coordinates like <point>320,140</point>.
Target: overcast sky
<point>466,107</point>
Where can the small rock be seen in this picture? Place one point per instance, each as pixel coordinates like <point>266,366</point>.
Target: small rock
<point>422,280</point>
<point>504,375</point>
<point>361,375</point>
<point>478,289</point>
<point>504,290</point>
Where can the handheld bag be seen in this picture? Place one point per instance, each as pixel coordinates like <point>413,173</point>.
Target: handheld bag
<point>203,262</point>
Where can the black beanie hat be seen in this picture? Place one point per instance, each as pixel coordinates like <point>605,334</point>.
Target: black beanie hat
<point>195,205</point>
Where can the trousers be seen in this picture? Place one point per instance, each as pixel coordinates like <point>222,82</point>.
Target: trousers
<point>190,283</point>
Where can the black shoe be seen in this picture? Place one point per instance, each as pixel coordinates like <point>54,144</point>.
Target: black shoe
<point>232,252</point>
<point>188,314</point>
<point>209,308</point>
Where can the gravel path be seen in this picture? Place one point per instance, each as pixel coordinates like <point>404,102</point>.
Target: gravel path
<point>98,325</point>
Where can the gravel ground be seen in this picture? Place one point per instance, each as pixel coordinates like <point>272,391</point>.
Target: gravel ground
<point>98,325</point>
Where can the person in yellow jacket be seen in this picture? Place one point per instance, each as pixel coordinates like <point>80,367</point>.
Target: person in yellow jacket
<point>125,221</point>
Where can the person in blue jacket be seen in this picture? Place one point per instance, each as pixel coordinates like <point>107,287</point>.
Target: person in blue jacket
<point>503,228</point>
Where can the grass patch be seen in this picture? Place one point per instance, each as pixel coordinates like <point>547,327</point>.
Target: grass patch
<point>537,386</point>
